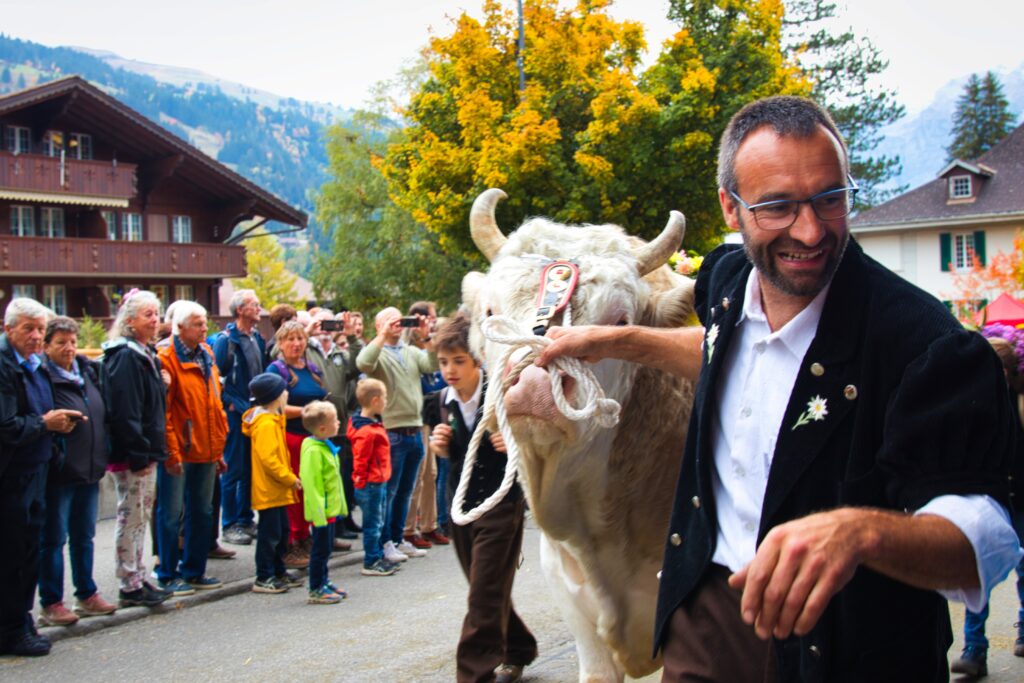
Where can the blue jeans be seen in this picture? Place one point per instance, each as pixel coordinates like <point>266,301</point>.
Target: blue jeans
<point>271,542</point>
<point>236,483</point>
<point>323,539</point>
<point>193,493</point>
<point>406,454</point>
<point>443,505</point>
<point>70,512</point>
<point>974,622</point>
<point>372,500</point>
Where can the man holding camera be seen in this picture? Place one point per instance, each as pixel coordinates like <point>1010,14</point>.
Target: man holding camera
<point>399,366</point>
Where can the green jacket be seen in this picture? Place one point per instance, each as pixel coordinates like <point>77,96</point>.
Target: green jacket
<point>400,373</point>
<point>321,482</point>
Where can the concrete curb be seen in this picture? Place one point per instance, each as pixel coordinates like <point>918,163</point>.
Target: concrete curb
<point>85,626</point>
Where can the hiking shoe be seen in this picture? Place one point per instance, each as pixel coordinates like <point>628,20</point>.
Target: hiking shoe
<point>410,550</point>
<point>271,585</point>
<point>94,606</point>
<point>436,537</point>
<point>379,568</point>
<point>236,535</point>
<point>971,662</point>
<point>27,644</point>
<point>57,615</point>
<point>417,541</point>
<point>323,596</point>
<point>508,673</point>
<point>337,591</point>
<point>290,579</point>
<point>219,552</point>
<point>142,597</point>
<point>296,559</point>
<point>249,528</point>
<point>393,554</point>
<point>176,588</point>
<point>1018,646</point>
<point>204,583</point>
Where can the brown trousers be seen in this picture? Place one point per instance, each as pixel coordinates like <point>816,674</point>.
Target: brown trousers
<point>492,632</point>
<point>707,641</point>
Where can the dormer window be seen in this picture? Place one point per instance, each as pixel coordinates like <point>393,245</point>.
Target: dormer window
<point>960,187</point>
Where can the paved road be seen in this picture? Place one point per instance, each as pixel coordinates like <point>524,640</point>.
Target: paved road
<point>399,628</point>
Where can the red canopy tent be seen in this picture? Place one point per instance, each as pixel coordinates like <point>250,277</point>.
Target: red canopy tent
<point>1005,310</point>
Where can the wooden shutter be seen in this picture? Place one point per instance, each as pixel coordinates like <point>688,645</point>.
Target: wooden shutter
<point>945,251</point>
<point>979,246</point>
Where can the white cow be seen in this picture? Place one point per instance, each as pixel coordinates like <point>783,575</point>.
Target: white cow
<point>602,497</point>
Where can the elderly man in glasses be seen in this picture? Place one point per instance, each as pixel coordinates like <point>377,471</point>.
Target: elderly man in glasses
<point>846,465</point>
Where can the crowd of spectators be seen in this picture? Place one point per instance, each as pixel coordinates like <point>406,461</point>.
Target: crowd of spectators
<point>164,410</point>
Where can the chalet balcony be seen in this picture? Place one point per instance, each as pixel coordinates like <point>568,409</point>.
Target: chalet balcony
<point>92,258</point>
<point>98,183</point>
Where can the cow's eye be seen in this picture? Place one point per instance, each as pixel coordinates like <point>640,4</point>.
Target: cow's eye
<point>622,323</point>
<point>488,313</point>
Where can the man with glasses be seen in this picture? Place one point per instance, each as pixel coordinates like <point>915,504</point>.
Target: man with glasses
<point>848,448</point>
<point>240,354</point>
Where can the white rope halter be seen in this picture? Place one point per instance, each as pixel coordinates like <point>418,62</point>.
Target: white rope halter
<point>593,405</point>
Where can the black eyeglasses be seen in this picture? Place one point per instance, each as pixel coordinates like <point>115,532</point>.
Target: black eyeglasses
<point>779,214</point>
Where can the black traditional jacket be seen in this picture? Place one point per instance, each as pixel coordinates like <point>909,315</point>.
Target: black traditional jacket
<point>916,407</point>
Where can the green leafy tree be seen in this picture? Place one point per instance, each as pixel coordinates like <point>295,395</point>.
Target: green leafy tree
<point>5,76</point>
<point>266,274</point>
<point>380,256</point>
<point>590,139</point>
<point>982,118</point>
<point>843,69</point>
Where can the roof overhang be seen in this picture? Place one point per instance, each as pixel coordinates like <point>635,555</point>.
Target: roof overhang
<point>958,221</point>
<point>55,198</point>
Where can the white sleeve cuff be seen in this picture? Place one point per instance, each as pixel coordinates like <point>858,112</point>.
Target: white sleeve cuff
<point>986,525</point>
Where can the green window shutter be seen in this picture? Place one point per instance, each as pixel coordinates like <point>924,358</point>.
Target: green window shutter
<point>945,251</point>
<point>979,246</point>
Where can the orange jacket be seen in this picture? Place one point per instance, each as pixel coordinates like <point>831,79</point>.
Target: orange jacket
<point>196,425</point>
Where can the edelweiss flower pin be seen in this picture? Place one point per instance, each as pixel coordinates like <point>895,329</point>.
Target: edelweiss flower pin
<point>817,409</point>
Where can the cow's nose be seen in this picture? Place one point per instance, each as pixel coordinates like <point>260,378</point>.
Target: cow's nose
<point>513,360</point>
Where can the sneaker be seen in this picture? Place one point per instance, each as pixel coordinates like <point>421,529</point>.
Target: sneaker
<point>146,596</point>
<point>296,559</point>
<point>1018,646</point>
<point>219,552</point>
<point>94,606</point>
<point>409,549</point>
<point>290,579</point>
<point>508,673</point>
<point>436,537</point>
<point>249,528</point>
<point>323,596</point>
<point>337,591</point>
<point>57,615</point>
<point>397,566</point>
<point>271,585</point>
<point>176,588</point>
<point>972,662</point>
<point>236,535</point>
<point>418,541</point>
<point>27,644</point>
<point>393,554</point>
<point>154,590</point>
<point>204,583</point>
<point>379,568</point>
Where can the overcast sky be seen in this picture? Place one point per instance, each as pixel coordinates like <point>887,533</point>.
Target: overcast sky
<point>335,50</point>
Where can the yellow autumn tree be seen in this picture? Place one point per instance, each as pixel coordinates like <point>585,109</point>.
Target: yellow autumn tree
<point>266,274</point>
<point>591,138</point>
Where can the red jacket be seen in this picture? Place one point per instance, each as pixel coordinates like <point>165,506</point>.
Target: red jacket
<point>371,451</point>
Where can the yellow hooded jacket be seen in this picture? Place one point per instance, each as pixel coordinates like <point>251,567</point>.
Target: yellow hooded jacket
<point>272,478</point>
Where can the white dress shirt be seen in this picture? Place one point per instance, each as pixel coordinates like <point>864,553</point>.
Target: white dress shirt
<point>751,401</point>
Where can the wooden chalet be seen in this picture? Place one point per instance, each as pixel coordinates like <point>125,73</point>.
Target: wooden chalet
<point>96,199</point>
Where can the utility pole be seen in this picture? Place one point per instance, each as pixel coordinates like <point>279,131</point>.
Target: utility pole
<point>520,50</point>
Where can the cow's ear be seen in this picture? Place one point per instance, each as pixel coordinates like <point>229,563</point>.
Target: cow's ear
<point>472,283</point>
<point>672,307</point>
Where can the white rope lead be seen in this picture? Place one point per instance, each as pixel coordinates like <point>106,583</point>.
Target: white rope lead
<point>593,406</point>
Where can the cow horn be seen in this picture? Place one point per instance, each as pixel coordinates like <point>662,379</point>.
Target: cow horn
<point>656,252</point>
<point>483,226</point>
